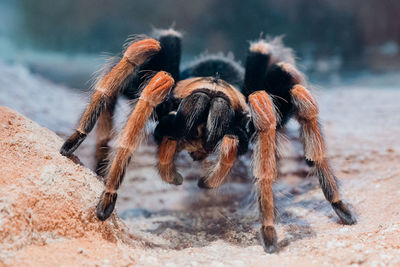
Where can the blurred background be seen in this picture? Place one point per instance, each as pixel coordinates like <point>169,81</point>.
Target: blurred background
<point>335,40</point>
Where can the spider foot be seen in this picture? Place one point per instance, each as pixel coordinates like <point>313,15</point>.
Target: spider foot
<point>177,180</point>
<point>106,205</point>
<point>72,143</point>
<point>269,239</point>
<point>202,183</point>
<point>344,213</point>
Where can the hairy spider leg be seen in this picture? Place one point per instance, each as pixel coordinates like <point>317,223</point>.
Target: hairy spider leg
<point>152,95</point>
<point>227,152</point>
<point>104,135</point>
<point>167,59</point>
<point>264,120</point>
<point>314,149</point>
<point>108,88</point>
<point>166,161</point>
<point>170,55</point>
<point>266,68</point>
<point>256,66</point>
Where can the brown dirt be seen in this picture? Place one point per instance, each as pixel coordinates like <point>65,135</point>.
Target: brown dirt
<point>186,226</point>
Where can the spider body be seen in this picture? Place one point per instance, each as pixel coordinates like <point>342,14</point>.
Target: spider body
<point>213,106</point>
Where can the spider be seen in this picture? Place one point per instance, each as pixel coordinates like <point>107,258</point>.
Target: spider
<point>212,106</point>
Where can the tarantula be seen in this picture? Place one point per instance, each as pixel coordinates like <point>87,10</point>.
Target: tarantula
<point>212,106</point>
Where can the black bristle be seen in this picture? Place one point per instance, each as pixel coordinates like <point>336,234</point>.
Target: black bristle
<point>218,66</point>
<point>278,83</point>
<point>256,68</point>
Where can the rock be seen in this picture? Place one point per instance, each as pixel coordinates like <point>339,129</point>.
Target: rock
<point>46,201</point>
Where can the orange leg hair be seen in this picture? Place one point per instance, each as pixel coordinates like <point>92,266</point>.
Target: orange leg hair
<point>153,94</point>
<point>104,135</point>
<point>314,149</point>
<point>227,152</point>
<point>166,164</point>
<point>108,88</point>
<point>264,120</point>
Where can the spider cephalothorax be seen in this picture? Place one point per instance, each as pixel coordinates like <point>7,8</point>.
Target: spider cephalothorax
<point>211,106</point>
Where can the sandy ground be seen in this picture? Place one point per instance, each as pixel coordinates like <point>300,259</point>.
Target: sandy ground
<point>187,226</point>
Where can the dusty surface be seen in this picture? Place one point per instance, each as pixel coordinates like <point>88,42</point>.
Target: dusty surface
<point>186,226</point>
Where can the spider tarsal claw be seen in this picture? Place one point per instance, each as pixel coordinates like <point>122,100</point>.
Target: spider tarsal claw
<point>344,213</point>
<point>178,179</point>
<point>269,239</point>
<point>202,183</point>
<point>106,205</point>
<point>72,143</point>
